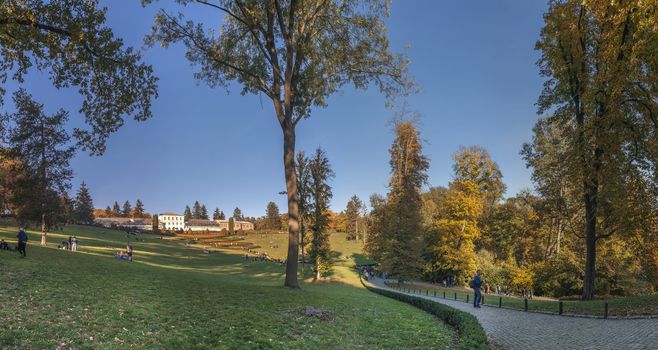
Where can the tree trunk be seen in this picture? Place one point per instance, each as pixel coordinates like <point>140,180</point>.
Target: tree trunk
<point>293,204</point>
<point>590,242</point>
<point>43,229</point>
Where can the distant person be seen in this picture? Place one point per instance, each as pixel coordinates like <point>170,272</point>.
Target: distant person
<point>22,242</point>
<point>476,284</point>
<point>129,252</point>
<point>74,244</point>
<point>4,245</point>
<point>70,243</point>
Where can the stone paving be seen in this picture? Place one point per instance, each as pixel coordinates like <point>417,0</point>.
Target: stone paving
<point>510,329</point>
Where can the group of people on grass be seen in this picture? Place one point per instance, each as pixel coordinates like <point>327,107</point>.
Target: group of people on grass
<point>125,254</point>
<point>70,244</point>
<point>21,243</point>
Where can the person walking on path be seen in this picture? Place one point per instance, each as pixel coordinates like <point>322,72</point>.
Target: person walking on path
<point>22,242</point>
<point>476,284</point>
<point>74,244</point>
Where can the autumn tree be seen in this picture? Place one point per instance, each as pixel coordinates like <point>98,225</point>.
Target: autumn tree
<point>320,194</point>
<point>601,68</point>
<point>42,143</point>
<point>272,216</point>
<point>69,40</point>
<point>297,53</point>
<point>108,212</point>
<point>398,222</point>
<point>83,211</point>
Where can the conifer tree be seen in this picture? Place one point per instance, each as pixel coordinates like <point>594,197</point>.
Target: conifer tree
<point>187,214</point>
<point>43,144</point>
<point>237,214</point>
<point>216,214</point>
<point>83,206</point>
<point>108,212</point>
<point>127,210</point>
<point>139,209</point>
<point>272,216</point>
<point>204,212</point>
<point>196,211</point>
<point>221,215</point>
<point>399,220</point>
<point>304,193</point>
<point>116,210</point>
<point>320,174</point>
<point>352,216</point>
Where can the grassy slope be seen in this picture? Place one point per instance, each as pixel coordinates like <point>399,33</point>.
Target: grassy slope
<point>174,296</point>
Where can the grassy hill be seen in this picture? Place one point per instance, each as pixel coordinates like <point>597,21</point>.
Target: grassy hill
<point>175,296</point>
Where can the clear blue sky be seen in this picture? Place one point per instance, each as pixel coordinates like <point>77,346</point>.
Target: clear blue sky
<point>475,63</point>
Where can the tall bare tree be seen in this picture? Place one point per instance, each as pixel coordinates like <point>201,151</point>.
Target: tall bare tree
<point>297,53</point>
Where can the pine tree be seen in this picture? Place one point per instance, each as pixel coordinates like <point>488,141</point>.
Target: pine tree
<point>196,210</point>
<point>272,216</point>
<point>304,193</point>
<point>399,221</point>
<point>221,215</point>
<point>83,206</point>
<point>320,173</point>
<point>116,210</point>
<point>108,212</point>
<point>216,214</point>
<point>187,214</point>
<point>352,216</point>
<point>139,209</point>
<point>237,214</point>
<point>156,223</point>
<point>42,143</point>
<point>204,212</point>
<point>127,209</point>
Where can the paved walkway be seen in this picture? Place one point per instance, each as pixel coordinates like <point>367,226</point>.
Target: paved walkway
<point>511,329</point>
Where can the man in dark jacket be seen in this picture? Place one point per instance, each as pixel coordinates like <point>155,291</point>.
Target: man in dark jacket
<point>22,242</point>
<point>476,284</point>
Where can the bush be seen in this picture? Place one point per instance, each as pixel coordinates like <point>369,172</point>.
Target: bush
<point>471,333</point>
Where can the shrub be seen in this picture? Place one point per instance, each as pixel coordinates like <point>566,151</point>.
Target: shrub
<point>471,333</point>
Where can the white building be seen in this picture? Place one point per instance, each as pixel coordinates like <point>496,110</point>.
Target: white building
<point>171,221</point>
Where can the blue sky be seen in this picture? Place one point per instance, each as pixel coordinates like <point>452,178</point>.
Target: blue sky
<point>474,61</point>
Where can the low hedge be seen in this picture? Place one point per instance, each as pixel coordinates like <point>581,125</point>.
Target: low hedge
<point>471,334</point>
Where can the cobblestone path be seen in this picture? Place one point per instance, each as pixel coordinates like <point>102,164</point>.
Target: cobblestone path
<point>510,329</point>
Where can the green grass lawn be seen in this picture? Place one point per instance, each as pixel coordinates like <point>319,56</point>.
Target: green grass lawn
<point>175,296</point>
<point>629,306</point>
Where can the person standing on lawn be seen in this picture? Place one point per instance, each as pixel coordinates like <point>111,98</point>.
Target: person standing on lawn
<point>22,242</point>
<point>476,284</point>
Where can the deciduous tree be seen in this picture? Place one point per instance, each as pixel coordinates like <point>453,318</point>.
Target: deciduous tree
<point>297,53</point>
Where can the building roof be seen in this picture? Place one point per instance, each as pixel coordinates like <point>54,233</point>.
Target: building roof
<point>200,222</point>
<point>121,220</point>
<point>171,214</point>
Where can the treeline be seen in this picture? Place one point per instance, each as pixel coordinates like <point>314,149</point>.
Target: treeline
<point>530,241</point>
<point>124,211</point>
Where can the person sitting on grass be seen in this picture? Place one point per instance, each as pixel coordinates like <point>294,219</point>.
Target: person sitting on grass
<point>4,245</point>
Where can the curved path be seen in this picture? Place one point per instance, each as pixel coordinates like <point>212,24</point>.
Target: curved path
<point>510,329</point>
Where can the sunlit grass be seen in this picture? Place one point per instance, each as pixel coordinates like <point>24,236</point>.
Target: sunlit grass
<point>175,296</point>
